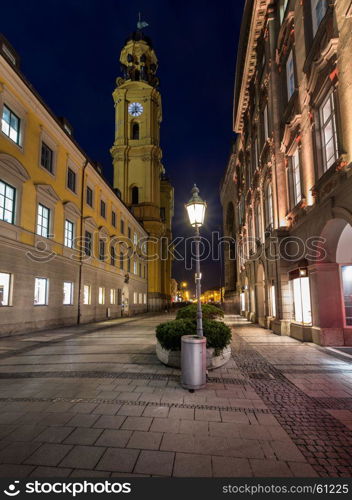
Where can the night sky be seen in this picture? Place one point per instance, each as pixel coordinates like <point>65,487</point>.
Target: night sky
<point>69,52</point>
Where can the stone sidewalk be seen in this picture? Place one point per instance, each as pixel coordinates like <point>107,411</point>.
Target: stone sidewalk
<point>93,401</point>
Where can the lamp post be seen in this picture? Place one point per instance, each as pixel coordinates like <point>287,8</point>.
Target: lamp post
<point>193,347</point>
<point>196,211</point>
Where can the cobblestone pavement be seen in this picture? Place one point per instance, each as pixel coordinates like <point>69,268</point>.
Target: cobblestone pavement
<point>93,401</point>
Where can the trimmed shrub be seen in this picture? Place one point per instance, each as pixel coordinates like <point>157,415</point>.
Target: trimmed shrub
<point>209,312</point>
<point>169,334</point>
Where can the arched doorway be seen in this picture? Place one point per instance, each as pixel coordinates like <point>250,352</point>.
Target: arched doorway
<point>260,295</point>
<point>331,285</point>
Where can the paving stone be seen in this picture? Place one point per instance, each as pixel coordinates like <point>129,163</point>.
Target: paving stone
<point>190,465</point>
<point>131,411</point>
<point>208,415</point>
<point>270,468</point>
<point>155,462</point>
<point>182,413</point>
<point>82,420</point>
<point>49,454</point>
<point>137,423</point>
<point>301,469</point>
<point>54,434</point>
<point>165,425</point>
<point>83,435</point>
<point>194,427</point>
<point>41,471</point>
<point>118,460</point>
<point>27,432</point>
<point>91,474</point>
<point>83,457</point>
<point>145,440</point>
<point>84,408</point>
<point>110,421</point>
<point>224,429</point>
<point>56,418</point>
<point>231,467</point>
<point>113,437</point>
<point>287,451</point>
<point>235,417</point>
<point>156,411</point>
<point>106,409</point>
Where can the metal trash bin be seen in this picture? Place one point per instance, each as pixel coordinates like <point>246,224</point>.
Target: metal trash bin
<point>193,361</point>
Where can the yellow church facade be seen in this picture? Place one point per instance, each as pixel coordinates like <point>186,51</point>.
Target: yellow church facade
<point>139,175</point>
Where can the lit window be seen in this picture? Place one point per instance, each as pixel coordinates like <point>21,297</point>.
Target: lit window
<point>134,267</point>
<point>101,295</point>
<point>10,124</point>
<point>40,292</point>
<point>46,158</point>
<point>87,294</point>
<point>69,233</point>
<point>301,300</point>
<point>71,180</point>
<point>290,75</point>
<point>296,178</point>
<point>145,298</point>
<point>5,289</point>
<point>68,293</point>
<point>319,8</point>
<point>328,131</point>
<point>43,221</point>
<point>135,297</point>
<point>140,298</point>
<point>135,239</point>
<point>112,296</point>
<point>243,302</point>
<point>7,202</point>
<point>346,273</point>
<point>283,5</point>
<point>273,301</point>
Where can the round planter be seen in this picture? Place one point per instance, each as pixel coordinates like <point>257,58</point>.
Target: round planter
<point>173,358</point>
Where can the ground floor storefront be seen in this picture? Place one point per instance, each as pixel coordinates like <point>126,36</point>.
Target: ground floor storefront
<point>93,401</point>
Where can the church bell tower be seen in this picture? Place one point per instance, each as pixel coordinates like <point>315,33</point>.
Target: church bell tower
<point>138,172</point>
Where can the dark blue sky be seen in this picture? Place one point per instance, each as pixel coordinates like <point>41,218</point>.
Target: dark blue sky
<point>70,51</point>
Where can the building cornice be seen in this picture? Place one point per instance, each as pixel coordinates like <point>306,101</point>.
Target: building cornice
<point>254,19</point>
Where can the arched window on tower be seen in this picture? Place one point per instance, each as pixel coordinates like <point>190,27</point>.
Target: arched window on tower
<point>135,195</point>
<point>135,131</point>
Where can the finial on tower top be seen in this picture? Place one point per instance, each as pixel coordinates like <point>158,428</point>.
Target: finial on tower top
<point>141,24</point>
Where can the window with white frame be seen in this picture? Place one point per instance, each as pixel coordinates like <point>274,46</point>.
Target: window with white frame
<point>269,216</point>
<point>135,297</point>
<point>43,221</point>
<point>319,8</point>
<point>41,286</point>
<point>69,233</point>
<point>112,296</point>
<point>144,298</point>
<point>46,157</point>
<point>328,131</point>
<point>296,177</point>
<point>135,239</point>
<point>68,293</point>
<point>101,295</point>
<point>7,202</point>
<point>290,76</point>
<point>273,301</point>
<point>5,289</point>
<point>87,295</point>
<point>71,180</point>
<point>301,300</point>
<point>140,298</point>
<point>346,277</point>
<point>11,124</point>
<point>134,267</point>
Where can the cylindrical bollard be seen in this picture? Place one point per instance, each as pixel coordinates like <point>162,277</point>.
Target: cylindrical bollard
<point>193,361</point>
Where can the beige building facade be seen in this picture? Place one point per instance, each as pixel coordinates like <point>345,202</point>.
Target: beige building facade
<point>287,189</point>
<point>70,250</point>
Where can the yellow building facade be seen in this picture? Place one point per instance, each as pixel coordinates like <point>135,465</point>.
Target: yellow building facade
<point>70,250</point>
<point>139,175</point>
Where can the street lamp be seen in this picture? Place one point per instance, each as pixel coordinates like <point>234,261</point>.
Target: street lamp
<point>196,212</point>
<point>193,347</point>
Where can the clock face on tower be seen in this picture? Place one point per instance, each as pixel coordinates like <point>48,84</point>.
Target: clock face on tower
<point>135,109</point>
